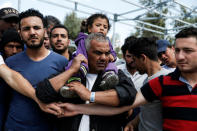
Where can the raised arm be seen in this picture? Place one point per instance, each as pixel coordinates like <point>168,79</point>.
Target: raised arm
<point>58,81</point>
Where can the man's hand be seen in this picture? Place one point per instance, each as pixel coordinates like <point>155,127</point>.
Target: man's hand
<point>80,89</point>
<point>129,127</point>
<point>132,125</point>
<point>77,61</point>
<point>111,58</point>
<point>68,110</point>
<point>51,108</point>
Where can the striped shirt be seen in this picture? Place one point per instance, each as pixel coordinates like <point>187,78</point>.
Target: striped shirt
<point>179,104</point>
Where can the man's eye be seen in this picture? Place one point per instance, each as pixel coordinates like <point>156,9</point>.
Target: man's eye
<point>98,53</point>
<point>54,36</point>
<point>37,27</point>
<point>107,53</point>
<point>26,28</point>
<point>63,36</point>
<point>188,51</point>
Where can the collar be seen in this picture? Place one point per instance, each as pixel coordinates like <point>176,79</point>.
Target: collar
<point>176,74</point>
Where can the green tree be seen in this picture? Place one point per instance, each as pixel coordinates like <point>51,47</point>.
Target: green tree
<point>72,22</point>
<point>158,22</point>
<point>186,15</point>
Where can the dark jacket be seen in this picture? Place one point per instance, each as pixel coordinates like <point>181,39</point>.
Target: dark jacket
<point>126,93</point>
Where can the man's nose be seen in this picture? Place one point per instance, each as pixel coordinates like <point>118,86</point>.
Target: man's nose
<point>32,31</point>
<point>103,57</point>
<point>14,50</point>
<point>180,55</point>
<point>13,25</point>
<point>163,56</point>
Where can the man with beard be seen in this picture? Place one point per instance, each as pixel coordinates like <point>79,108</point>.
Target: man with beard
<point>129,68</point>
<point>59,40</point>
<point>35,64</point>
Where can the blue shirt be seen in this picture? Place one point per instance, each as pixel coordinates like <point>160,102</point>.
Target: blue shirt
<point>24,114</point>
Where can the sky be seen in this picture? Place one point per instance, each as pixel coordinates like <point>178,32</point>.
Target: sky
<point>61,8</point>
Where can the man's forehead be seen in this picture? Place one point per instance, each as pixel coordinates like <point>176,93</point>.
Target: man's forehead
<point>31,20</point>
<point>59,31</point>
<point>187,42</point>
<point>103,43</point>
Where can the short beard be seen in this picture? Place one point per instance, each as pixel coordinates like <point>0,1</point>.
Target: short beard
<point>35,46</point>
<point>130,67</point>
<point>59,51</point>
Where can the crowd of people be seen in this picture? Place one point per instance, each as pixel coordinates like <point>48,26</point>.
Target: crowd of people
<point>45,87</point>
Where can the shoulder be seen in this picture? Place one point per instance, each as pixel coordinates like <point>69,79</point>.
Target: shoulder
<point>15,58</point>
<point>55,55</point>
<point>57,58</point>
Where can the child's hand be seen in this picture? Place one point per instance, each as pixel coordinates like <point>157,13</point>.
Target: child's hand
<point>111,58</point>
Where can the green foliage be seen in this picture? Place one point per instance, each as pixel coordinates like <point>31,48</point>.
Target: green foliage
<point>118,52</point>
<point>72,22</point>
<point>185,16</point>
<point>158,22</point>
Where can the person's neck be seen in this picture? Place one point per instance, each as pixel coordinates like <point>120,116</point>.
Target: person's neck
<point>37,54</point>
<point>191,77</point>
<point>153,67</point>
<point>131,71</point>
<point>172,65</point>
<point>66,54</point>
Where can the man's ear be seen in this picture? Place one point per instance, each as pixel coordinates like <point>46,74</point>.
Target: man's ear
<point>68,42</point>
<point>173,48</point>
<point>143,57</point>
<point>19,32</point>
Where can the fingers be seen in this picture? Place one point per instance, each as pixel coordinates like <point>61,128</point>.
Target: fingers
<point>69,110</point>
<point>82,58</point>
<point>53,108</point>
<point>128,128</point>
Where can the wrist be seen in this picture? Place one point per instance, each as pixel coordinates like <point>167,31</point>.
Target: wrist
<point>92,96</point>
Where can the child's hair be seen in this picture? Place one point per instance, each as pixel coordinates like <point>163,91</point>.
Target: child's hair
<point>83,27</point>
<point>91,19</point>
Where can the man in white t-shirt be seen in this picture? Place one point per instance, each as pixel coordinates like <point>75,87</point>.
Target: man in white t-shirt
<point>98,50</point>
<point>129,68</point>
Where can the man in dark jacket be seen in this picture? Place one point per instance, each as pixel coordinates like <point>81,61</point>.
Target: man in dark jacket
<point>98,51</point>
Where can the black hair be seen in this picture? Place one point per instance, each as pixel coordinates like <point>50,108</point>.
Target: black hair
<point>127,43</point>
<point>146,46</point>
<point>10,35</point>
<point>83,27</point>
<point>28,13</point>
<point>51,20</point>
<point>59,26</point>
<point>91,19</point>
<point>187,32</point>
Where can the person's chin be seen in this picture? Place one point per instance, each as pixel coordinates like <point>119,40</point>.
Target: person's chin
<point>100,69</point>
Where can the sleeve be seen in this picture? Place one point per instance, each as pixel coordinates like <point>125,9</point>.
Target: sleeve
<point>152,90</point>
<point>125,89</point>
<point>112,50</point>
<point>1,60</point>
<point>46,93</point>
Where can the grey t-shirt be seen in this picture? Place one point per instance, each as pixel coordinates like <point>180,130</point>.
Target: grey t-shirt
<point>151,113</point>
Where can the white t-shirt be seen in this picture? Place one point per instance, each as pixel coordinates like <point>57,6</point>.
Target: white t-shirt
<point>1,60</point>
<point>137,78</point>
<point>85,120</point>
